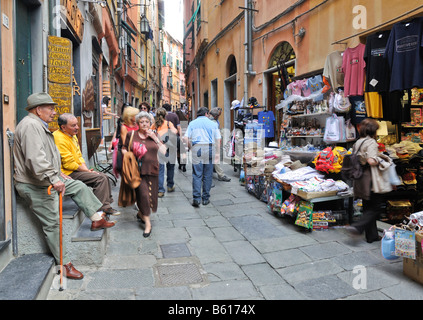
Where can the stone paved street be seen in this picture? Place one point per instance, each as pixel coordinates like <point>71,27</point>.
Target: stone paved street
<point>234,248</point>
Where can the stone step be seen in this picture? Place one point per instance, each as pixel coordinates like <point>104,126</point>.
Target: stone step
<point>84,232</point>
<point>27,277</point>
<point>83,246</point>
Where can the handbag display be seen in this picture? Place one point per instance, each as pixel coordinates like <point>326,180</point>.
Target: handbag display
<point>341,103</point>
<point>334,129</point>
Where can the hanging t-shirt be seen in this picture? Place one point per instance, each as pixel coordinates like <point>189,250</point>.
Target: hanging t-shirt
<point>268,119</point>
<point>377,68</point>
<point>353,65</point>
<point>333,70</point>
<point>305,88</point>
<point>358,109</point>
<point>405,55</point>
<point>315,83</point>
<point>295,88</point>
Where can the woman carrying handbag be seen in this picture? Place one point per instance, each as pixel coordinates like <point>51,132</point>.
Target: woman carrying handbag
<point>368,156</point>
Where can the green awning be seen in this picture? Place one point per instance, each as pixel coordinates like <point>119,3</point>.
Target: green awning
<point>128,28</point>
<point>129,45</point>
<point>195,14</point>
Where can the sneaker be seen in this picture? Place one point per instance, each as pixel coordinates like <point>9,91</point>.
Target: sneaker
<point>161,194</point>
<point>224,178</point>
<point>112,212</point>
<point>195,203</point>
<point>171,189</point>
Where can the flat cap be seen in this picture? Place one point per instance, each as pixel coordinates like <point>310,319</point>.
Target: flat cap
<point>38,99</point>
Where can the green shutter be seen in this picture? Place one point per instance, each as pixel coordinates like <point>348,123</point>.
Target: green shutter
<point>164,59</point>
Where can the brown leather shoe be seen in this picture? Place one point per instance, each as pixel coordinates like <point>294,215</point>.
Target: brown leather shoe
<point>71,273</point>
<point>101,224</point>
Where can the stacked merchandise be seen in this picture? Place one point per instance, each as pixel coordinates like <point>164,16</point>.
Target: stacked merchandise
<point>258,180</point>
<point>253,148</point>
<point>322,220</point>
<point>405,240</point>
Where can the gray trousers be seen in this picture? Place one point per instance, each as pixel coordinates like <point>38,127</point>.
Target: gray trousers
<point>46,208</point>
<point>100,184</point>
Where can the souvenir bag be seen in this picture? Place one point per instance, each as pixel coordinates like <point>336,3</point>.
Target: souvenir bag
<point>393,175</point>
<point>350,131</point>
<point>388,245</point>
<point>341,103</point>
<point>405,243</point>
<point>342,129</point>
<point>332,130</point>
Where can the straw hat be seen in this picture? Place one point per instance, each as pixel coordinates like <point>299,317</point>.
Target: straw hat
<point>38,99</point>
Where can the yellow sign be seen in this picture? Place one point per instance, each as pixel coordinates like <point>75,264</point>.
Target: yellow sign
<point>59,60</point>
<point>60,76</point>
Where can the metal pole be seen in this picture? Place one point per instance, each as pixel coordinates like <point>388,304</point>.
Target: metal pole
<point>11,139</point>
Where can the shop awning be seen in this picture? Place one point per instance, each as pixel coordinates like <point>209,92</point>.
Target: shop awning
<point>128,30</point>
<point>195,14</point>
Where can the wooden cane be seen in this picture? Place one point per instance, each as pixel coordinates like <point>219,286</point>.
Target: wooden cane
<point>60,235</point>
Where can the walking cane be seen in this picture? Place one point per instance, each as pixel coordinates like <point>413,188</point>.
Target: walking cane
<point>60,236</point>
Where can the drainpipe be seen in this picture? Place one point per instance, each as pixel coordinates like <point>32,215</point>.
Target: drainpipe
<point>246,53</point>
<point>11,138</point>
<point>198,90</point>
<point>248,17</point>
<point>250,38</point>
<point>53,16</point>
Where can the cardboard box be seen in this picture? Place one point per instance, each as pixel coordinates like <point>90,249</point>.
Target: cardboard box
<point>313,195</point>
<point>414,268</point>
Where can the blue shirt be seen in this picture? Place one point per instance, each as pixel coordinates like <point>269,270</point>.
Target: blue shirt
<point>203,130</point>
<point>268,119</point>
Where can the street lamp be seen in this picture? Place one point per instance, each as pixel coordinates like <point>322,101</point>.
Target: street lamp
<point>144,26</point>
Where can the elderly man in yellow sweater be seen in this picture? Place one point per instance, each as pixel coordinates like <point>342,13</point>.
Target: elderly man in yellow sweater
<point>73,164</point>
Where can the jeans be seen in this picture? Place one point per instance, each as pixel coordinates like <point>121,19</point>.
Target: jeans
<point>170,168</point>
<point>202,172</point>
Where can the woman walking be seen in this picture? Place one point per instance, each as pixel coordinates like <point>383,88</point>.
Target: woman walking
<point>146,192</point>
<point>168,135</point>
<point>364,188</point>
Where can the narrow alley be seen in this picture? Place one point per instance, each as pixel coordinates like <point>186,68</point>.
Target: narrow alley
<point>233,248</point>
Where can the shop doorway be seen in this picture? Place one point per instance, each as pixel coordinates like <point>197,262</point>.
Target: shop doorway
<point>23,58</point>
<point>281,68</point>
<point>229,93</point>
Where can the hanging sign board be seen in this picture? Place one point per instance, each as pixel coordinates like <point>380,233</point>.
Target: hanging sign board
<point>60,76</point>
<point>73,17</point>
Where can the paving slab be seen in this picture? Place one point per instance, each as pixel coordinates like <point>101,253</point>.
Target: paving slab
<point>242,252</point>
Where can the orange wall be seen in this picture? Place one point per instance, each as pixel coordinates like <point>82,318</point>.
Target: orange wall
<point>329,22</point>
<point>9,110</point>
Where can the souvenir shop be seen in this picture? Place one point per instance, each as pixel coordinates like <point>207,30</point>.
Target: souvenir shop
<point>299,176</point>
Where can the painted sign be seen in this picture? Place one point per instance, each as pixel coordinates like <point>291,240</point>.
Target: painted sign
<point>60,76</point>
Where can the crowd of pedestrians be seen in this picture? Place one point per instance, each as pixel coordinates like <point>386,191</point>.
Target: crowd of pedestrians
<point>146,146</point>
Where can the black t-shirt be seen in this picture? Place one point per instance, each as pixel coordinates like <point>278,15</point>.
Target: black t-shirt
<point>377,67</point>
<point>404,51</point>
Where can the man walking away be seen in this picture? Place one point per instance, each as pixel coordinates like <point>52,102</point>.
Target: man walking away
<point>203,138</point>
